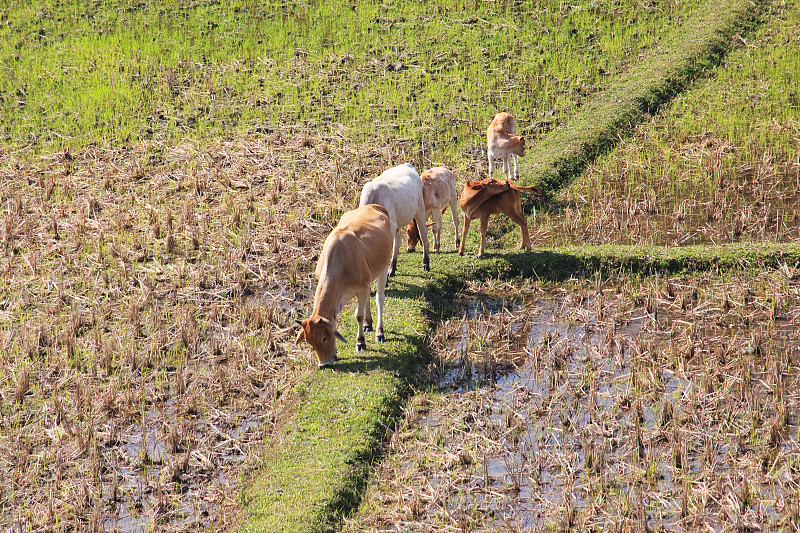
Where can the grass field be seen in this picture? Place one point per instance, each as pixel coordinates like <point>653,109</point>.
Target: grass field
<point>430,75</point>
<point>168,172</point>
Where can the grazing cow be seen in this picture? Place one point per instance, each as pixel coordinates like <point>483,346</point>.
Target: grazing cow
<point>438,192</point>
<point>502,142</point>
<point>356,253</point>
<point>479,199</point>
<point>399,190</point>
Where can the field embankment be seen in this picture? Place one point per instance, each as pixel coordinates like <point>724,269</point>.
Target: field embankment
<point>663,72</point>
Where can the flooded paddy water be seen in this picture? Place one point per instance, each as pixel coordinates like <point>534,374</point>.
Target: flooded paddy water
<point>667,404</point>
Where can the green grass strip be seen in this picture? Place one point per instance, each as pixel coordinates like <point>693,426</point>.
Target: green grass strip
<point>699,45</point>
<point>315,473</point>
<point>317,470</point>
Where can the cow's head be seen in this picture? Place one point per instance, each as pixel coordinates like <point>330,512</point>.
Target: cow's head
<point>413,236</point>
<point>321,334</point>
<point>519,148</point>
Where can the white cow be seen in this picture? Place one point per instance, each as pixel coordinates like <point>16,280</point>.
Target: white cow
<point>399,190</point>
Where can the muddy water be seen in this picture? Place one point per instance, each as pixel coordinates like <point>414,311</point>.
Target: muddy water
<point>601,409</point>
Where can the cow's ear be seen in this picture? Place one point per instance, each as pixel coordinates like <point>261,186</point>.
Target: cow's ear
<point>339,336</point>
<point>301,336</point>
<point>474,185</point>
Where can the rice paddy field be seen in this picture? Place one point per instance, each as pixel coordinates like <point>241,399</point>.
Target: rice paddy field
<point>169,171</point>
<point>655,404</point>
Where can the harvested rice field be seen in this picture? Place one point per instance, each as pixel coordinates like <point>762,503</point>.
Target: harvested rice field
<point>624,405</point>
<point>146,336</point>
<point>169,171</point>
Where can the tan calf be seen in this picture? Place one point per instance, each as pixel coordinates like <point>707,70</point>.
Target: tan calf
<point>502,142</point>
<point>480,199</point>
<point>438,191</point>
<point>357,252</point>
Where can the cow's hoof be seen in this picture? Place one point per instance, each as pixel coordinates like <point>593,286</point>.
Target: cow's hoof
<point>426,266</point>
<point>380,338</point>
<point>361,346</point>
<point>329,364</point>
<point>368,327</point>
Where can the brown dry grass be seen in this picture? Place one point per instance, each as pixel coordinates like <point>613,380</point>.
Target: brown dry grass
<point>146,303</point>
<point>643,404</point>
<point>701,190</point>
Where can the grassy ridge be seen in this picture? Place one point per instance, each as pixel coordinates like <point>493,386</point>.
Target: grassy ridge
<point>317,470</point>
<point>664,73</point>
<point>560,264</point>
<point>719,164</point>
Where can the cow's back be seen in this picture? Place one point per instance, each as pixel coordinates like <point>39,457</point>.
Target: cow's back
<point>438,187</point>
<point>399,190</point>
<point>503,121</point>
<point>358,248</point>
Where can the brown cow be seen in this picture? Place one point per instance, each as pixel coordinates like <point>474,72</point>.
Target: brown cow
<point>502,142</point>
<point>490,196</point>
<point>438,191</point>
<point>357,252</point>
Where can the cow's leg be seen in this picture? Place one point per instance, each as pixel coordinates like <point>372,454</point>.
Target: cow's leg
<point>423,235</point>
<point>467,220</point>
<point>491,162</point>
<point>517,217</point>
<point>507,167</point>
<point>516,172</point>
<point>379,296</point>
<point>454,212</point>
<point>362,311</point>
<point>367,315</point>
<point>484,227</point>
<point>436,229</point>
<point>397,238</point>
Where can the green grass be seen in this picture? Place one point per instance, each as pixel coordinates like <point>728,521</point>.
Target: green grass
<point>120,72</point>
<point>317,470</point>
<point>663,73</point>
<point>718,165</point>
<point>315,473</point>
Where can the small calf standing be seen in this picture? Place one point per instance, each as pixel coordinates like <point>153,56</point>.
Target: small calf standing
<point>502,142</point>
<point>438,192</point>
<point>480,199</point>
<point>356,253</point>
<point>399,190</point>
